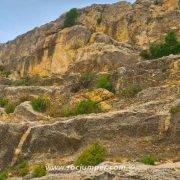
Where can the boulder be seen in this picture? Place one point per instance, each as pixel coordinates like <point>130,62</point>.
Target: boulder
<point>26,112</point>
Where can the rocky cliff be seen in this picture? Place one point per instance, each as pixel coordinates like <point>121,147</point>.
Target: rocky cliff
<point>50,75</point>
<point>50,49</point>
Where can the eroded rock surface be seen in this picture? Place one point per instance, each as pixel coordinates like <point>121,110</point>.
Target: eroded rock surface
<point>68,63</point>
<point>51,49</point>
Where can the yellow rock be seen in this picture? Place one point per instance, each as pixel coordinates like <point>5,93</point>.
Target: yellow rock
<point>171,4</point>
<point>105,106</point>
<point>175,67</point>
<point>99,95</point>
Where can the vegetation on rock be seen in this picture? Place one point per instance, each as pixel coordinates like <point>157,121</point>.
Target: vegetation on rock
<point>171,45</point>
<point>4,174</point>
<point>99,20</point>
<point>175,109</point>
<point>40,104</point>
<point>92,156</point>
<point>70,19</point>
<point>21,169</point>
<point>27,81</point>
<point>3,102</point>
<point>39,170</point>
<point>131,90</point>
<point>3,72</point>
<point>10,108</point>
<point>21,82</point>
<point>104,82</point>
<point>149,159</point>
<point>85,106</point>
<point>87,78</point>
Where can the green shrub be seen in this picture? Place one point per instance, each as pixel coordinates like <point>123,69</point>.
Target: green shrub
<point>68,112</point>
<point>21,82</point>
<point>22,169</point>
<point>99,20</point>
<point>40,104</point>
<point>149,159</point>
<point>10,108</point>
<point>85,106</point>
<point>3,102</point>
<point>3,72</point>
<point>145,54</point>
<point>131,91</point>
<point>175,109</point>
<point>4,174</point>
<point>87,79</point>
<point>70,18</point>
<point>104,82</point>
<point>92,156</point>
<point>171,45</point>
<point>39,170</point>
<point>88,76</point>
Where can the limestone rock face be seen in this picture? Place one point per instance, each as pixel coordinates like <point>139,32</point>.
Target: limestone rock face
<point>130,171</point>
<point>10,136</point>
<point>51,49</point>
<point>106,40</point>
<point>171,4</point>
<point>101,57</point>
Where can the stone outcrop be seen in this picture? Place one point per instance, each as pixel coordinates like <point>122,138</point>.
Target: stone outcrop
<point>67,137</point>
<point>10,137</point>
<point>127,171</point>
<point>106,40</point>
<point>51,49</point>
<point>25,111</point>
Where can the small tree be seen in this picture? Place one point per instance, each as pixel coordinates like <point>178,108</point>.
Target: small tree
<point>171,45</point>
<point>70,18</point>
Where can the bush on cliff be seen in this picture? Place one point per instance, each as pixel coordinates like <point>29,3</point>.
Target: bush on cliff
<point>175,109</point>
<point>40,104</point>
<point>104,82</point>
<point>21,169</point>
<point>87,78</point>
<point>4,174</point>
<point>70,18</point>
<point>39,170</point>
<point>10,108</point>
<point>3,102</point>
<point>4,72</point>
<point>171,45</point>
<point>131,90</point>
<point>85,106</point>
<point>92,156</point>
<point>149,159</point>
